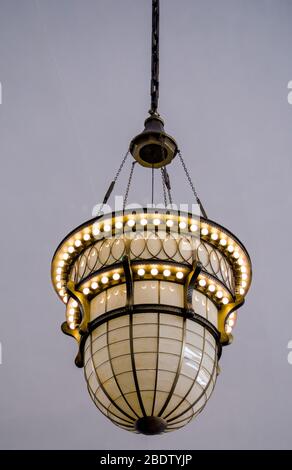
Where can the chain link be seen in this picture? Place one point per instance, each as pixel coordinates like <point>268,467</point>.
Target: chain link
<point>128,185</point>
<point>192,185</point>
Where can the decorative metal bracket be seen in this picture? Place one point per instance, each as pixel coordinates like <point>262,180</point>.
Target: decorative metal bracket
<point>223,313</point>
<point>83,305</point>
<point>129,282</point>
<point>189,286</point>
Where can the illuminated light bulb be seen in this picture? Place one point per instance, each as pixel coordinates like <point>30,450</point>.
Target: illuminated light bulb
<point>243,269</point>
<point>85,291</point>
<point>156,221</point>
<point>61,263</point>
<point>179,275</point>
<point>212,288</point>
<point>71,249</point>
<point>243,284</point>
<point>154,271</point>
<point>131,222</point>
<point>58,278</point>
<point>70,318</point>
<point>214,236</point>
<point>223,242</point>
<point>65,256</point>
<point>141,272</point>
<point>86,237</point>
<point>61,292</point>
<point>166,273</point>
<point>230,322</point>
<point>94,285</point>
<point>193,228</point>
<point>65,298</point>
<point>169,223</point>
<point>59,285</point>
<point>244,276</point>
<point>58,270</point>
<point>241,291</point>
<point>104,279</point>
<point>230,248</point>
<point>236,255</point>
<point>225,300</point>
<point>204,231</point>
<point>143,221</point>
<point>72,326</point>
<point>182,225</point>
<point>116,276</point>
<point>107,228</point>
<point>228,329</point>
<point>74,304</point>
<point>202,282</point>
<point>240,261</point>
<point>219,294</point>
<point>96,230</point>
<point>119,224</point>
<point>77,243</point>
<point>71,311</point>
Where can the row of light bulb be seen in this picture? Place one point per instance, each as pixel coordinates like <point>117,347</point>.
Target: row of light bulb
<point>230,322</point>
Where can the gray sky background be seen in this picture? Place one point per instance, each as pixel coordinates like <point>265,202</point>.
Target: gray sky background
<point>75,78</point>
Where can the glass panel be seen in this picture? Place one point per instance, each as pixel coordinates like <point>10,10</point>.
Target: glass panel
<point>118,334</point>
<point>165,380</point>
<point>117,349</point>
<point>139,318</point>
<point>146,292</point>
<point>171,294</point>
<point>126,382</point>
<point>168,362</point>
<point>146,379</point>
<point>122,364</point>
<point>167,345</point>
<point>97,306</point>
<point>173,320</point>
<point>145,360</point>
<point>116,297</point>
<point>171,332</point>
<point>145,344</point>
<point>104,372</point>
<point>141,331</point>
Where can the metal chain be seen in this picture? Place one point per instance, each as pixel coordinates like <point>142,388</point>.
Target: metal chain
<point>111,186</point>
<point>192,185</point>
<point>163,187</point>
<point>154,91</point>
<point>121,166</point>
<point>128,185</point>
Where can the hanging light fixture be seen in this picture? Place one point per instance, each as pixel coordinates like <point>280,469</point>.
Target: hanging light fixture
<point>151,294</point>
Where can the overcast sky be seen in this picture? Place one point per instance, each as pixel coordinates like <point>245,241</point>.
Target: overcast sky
<point>75,86</point>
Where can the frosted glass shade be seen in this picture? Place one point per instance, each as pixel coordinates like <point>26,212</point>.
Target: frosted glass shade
<point>150,364</point>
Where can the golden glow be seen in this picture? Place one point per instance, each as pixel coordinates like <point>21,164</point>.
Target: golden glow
<point>214,236</point>
<point>86,237</point>
<point>86,291</point>
<point>107,227</point>
<point>72,326</point>
<point>141,272</point>
<point>61,263</point>
<point>71,311</point>
<point>58,270</point>
<point>65,256</point>
<point>236,255</point>
<point>70,318</point>
<point>74,304</point>
<point>77,243</point>
<point>116,276</point>
<point>131,222</point>
<point>193,228</point>
<point>225,300</point>
<point>96,230</point>
<point>94,285</point>
<point>59,285</point>
<point>143,221</point>
<point>228,329</point>
<point>179,275</point>
<point>104,279</point>
<point>223,242</point>
<point>202,282</point>
<point>154,271</point>
<point>156,221</point>
<point>241,291</point>
<point>244,276</point>
<point>58,278</point>
<point>212,288</point>
<point>71,249</point>
<point>182,225</point>
<point>219,294</point>
<point>230,248</point>
<point>204,231</point>
<point>166,273</point>
<point>169,223</point>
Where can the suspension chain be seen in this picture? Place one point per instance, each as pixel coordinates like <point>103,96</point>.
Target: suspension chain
<point>128,185</point>
<point>163,187</point>
<point>192,185</point>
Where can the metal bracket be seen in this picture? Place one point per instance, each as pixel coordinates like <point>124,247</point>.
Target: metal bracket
<point>189,286</point>
<point>83,305</point>
<point>129,282</point>
<point>223,313</point>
